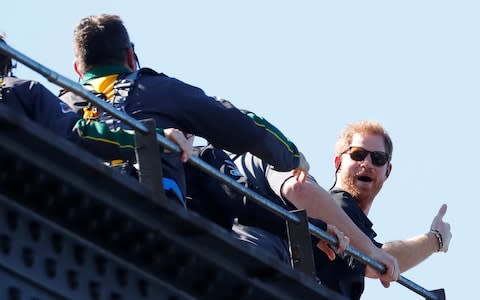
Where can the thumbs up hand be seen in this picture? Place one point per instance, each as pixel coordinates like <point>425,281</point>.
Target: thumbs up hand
<point>441,229</point>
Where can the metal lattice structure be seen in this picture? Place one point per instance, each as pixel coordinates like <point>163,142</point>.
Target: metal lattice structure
<point>71,228</point>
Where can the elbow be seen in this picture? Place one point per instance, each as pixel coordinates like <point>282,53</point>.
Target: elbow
<point>293,189</point>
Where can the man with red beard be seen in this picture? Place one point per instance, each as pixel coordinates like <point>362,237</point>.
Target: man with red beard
<point>363,154</point>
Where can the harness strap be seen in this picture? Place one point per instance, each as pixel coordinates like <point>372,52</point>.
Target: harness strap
<point>122,87</point>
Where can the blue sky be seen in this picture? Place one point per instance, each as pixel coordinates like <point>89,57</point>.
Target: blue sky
<point>311,67</point>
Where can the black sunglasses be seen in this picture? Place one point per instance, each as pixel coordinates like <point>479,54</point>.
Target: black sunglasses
<point>379,158</point>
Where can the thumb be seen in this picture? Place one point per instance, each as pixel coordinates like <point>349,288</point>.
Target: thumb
<point>441,212</point>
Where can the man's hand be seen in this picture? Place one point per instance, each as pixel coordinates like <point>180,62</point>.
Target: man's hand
<point>301,172</point>
<point>343,242</point>
<point>179,138</point>
<point>392,272</point>
<point>443,228</point>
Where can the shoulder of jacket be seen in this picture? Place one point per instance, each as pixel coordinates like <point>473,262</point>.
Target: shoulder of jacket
<point>148,72</point>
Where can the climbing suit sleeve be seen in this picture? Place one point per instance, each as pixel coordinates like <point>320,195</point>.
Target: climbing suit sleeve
<point>284,149</point>
<point>275,132</point>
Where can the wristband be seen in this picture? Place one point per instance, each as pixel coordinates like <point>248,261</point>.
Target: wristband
<point>439,238</point>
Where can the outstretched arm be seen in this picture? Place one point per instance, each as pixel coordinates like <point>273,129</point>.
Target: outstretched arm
<point>413,251</point>
<point>319,204</point>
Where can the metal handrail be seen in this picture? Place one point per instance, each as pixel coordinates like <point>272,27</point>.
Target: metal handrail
<point>78,89</point>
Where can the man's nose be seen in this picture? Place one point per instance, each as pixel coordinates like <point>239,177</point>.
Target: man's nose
<point>367,161</point>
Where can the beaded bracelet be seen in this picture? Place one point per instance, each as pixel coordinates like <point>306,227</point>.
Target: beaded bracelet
<point>439,238</point>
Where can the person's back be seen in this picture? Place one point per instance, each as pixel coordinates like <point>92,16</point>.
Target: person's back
<point>33,100</point>
<point>209,197</point>
<point>226,207</point>
<point>104,57</point>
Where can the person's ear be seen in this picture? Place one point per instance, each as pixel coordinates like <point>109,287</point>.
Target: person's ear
<point>389,169</point>
<point>338,162</point>
<point>76,69</point>
<point>131,61</point>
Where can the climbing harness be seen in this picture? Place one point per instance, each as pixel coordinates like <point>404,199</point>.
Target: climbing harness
<point>115,91</point>
<point>122,86</point>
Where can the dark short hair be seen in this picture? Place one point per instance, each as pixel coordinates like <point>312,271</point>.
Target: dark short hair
<point>100,40</point>
<point>5,61</point>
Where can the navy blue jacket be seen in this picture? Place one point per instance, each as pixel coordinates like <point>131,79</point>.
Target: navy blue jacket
<point>31,99</point>
<point>175,104</point>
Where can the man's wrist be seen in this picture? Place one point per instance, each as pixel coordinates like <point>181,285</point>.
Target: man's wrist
<point>439,239</point>
<point>371,249</point>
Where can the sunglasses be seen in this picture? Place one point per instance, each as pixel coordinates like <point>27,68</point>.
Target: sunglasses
<point>379,158</point>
